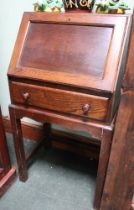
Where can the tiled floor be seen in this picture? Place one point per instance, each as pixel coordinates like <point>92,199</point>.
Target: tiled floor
<point>57,181</point>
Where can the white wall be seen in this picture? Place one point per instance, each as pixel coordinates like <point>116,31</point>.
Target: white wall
<point>10,16</point>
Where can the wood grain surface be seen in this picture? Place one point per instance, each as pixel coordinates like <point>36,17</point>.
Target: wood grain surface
<point>62,101</point>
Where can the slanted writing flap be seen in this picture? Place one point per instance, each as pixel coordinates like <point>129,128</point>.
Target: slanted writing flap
<point>77,49</point>
<point>81,50</point>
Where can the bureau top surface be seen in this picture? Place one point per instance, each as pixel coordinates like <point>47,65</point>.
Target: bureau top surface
<point>83,50</point>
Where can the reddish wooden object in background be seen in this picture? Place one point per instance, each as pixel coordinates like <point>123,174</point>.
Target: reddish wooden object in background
<point>119,186</point>
<point>7,172</point>
<point>67,69</point>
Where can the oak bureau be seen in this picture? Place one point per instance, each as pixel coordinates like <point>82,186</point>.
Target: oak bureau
<point>67,69</point>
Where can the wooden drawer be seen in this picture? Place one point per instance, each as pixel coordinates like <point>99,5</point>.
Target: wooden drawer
<point>62,101</point>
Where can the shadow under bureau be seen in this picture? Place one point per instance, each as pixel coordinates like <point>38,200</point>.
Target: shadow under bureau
<point>67,69</point>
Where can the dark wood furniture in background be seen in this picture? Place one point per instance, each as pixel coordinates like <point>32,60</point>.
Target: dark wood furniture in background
<point>67,69</point>
<point>7,172</point>
<point>119,185</point>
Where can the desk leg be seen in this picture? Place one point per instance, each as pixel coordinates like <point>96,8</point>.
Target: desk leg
<point>18,144</point>
<point>102,167</point>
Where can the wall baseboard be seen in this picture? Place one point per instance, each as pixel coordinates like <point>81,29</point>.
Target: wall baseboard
<point>60,139</point>
<point>30,131</point>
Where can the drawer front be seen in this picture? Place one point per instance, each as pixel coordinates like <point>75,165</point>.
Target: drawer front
<point>62,101</point>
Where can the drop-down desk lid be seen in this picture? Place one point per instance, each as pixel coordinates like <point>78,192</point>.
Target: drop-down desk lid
<point>74,49</point>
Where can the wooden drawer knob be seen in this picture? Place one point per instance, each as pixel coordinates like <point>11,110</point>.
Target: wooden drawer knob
<point>86,108</point>
<point>25,96</point>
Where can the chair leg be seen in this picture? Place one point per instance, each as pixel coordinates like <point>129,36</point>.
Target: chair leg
<point>102,167</point>
<point>18,145</point>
